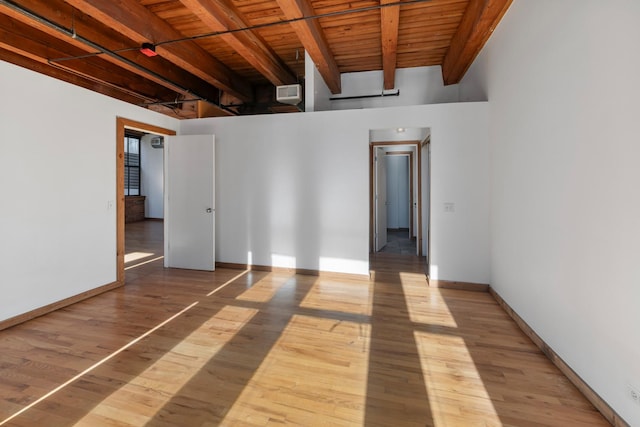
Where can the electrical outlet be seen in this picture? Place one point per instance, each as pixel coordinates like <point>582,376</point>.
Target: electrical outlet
<point>634,394</point>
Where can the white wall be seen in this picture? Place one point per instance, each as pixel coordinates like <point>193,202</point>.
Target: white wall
<point>57,229</point>
<point>399,134</point>
<point>562,81</point>
<point>317,93</point>
<point>417,86</point>
<point>292,189</point>
<point>152,181</point>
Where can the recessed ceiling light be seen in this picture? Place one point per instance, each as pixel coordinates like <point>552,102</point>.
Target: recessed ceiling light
<point>400,130</point>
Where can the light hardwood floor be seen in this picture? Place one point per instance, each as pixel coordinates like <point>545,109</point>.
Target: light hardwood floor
<point>233,347</point>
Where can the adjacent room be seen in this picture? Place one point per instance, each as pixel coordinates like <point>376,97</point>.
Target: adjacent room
<point>305,212</point>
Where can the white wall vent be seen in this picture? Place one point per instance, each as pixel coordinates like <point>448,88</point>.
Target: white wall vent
<point>157,142</point>
<point>289,94</point>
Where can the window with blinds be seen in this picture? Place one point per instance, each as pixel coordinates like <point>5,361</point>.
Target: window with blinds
<point>131,165</point>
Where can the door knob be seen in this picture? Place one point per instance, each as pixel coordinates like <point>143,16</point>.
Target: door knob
<point>209,210</point>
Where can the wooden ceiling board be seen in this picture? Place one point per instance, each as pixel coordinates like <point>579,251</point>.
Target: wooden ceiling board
<point>413,34</point>
<point>351,19</point>
<point>331,6</point>
<point>428,13</point>
<point>260,12</point>
<point>426,10</point>
<point>420,59</point>
<point>185,21</point>
<point>233,60</point>
<point>170,9</point>
<point>355,38</point>
<point>426,32</point>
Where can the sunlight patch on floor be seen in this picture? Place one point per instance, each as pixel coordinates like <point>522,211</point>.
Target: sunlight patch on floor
<point>228,282</point>
<point>455,389</point>
<point>168,374</point>
<point>424,305</point>
<point>261,291</point>
<point>176,368</point>
<point>339,367</point>
<point>144,262</point>
<point>354,298</point>
<point>412,277</point>
<point>97,364</point>
<point>427,307</point>
<point>135,256</point>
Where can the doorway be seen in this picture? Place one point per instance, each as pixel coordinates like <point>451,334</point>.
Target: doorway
<point>141,251</point>
<point>397,192</point>
<point>399,204</point>
<point>395,198</point>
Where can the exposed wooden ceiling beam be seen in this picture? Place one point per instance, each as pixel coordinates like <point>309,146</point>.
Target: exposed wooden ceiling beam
<point>186,111</point>
<point>41,67</point>
<point>222,16</point>
<point>389,22</point>
<point>136,22</point>
<point>157,69</point>
<point>205,109</point>
<point>39,47</point>
<point>313,39</point>
<point>480,19</point>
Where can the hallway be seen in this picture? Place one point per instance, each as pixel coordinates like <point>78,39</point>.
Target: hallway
<point>398,242</point>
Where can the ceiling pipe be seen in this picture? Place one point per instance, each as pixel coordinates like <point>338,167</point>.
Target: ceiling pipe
<point>180,101</point>
<point>377,95</point>
<point>102,50</point>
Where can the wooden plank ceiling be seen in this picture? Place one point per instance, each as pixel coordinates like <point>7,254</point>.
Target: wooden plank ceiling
<point>224,57</point>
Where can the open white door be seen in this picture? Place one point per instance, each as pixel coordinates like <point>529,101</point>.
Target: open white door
<point>425,153</point>
<point>381,198</point>
<point>189,219</point>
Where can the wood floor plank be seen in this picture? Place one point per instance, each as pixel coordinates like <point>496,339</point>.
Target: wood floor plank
<point>257,348</point>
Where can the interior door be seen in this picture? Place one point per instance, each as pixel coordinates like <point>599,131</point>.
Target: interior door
<point>425,176</point>
<point>398,199</point>
<point>189,222</point>
<point>381,198</point>
<point>391,173</point>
